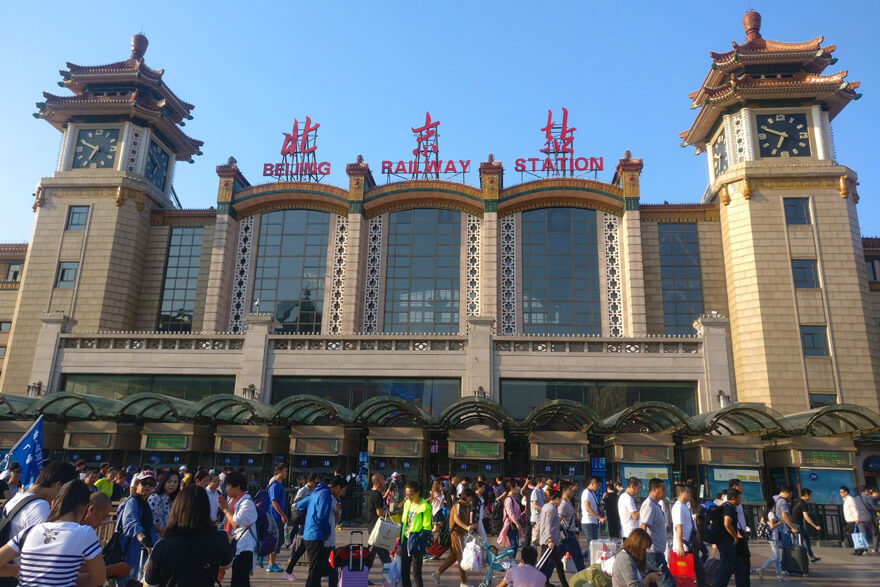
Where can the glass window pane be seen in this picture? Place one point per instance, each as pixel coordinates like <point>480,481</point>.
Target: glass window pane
<point>181,279</point>
<point>680,274</point>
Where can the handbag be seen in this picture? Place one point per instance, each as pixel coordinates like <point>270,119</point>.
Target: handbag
<point>568,564</point>
<point>384,534</point>
<point>418,542</point>
<point>762,531</point>
<point>858,539</point>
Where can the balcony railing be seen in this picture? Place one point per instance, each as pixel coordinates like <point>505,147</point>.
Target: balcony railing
<point>356,343</point>
<point>9,284</point>
<point>625,346</point>
<point>138,341</point>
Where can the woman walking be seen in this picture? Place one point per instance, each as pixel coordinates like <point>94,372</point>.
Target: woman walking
<point>193,549</point>
<point>438,499</point>
<point>57,550</point>
<point>773,524</point>
<point>136,523</point>
<point>240,514</point>
<point>415,534</point>
<point>511,527</point>
<point>160,501</point>
<point>459,524</point>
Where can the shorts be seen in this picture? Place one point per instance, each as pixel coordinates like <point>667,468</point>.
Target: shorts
<point>438,518</point>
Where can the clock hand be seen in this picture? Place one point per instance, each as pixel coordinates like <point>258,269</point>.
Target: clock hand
<point>776,132</point>
<point>782,138</point>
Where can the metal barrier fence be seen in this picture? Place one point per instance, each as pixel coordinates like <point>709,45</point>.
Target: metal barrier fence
<point>830,518</point>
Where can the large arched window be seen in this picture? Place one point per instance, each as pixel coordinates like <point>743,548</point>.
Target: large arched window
<point>560,272</point>
<point>422,283</point>
<point>291,260</point>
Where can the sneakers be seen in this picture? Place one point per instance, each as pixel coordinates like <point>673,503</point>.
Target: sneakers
<point>289,576</point>
<point>760,573</point>
<point>780,579</point>
<point>260,562</point>
<point>274,569</point>
<point>815,559</point>
<point>435,577</point>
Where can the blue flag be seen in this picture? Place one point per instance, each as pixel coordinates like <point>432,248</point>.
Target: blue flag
<point>28,452</point>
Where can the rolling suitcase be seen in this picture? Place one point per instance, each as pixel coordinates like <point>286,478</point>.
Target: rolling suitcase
<point>357,572</point>
<point>795,559</point>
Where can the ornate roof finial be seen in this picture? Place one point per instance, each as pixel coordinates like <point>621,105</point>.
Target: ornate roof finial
<point>139,45</point>
<point>627,154</point>
<point>360,159</point>
<point>752,25</point>
<point>231,161</point>
<point>491,158</point>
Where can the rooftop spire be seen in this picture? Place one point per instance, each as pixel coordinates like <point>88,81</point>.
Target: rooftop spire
<point>139,45</point>
<point>752,25</point>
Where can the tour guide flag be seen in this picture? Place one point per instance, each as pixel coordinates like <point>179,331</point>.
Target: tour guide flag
<point>27,452</point>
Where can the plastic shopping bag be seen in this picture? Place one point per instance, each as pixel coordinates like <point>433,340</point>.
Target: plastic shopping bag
<point>568,564</point>
<point>859,541</point>
<point>384,534</point>
<point>391,576</point>
<point>471,556</point>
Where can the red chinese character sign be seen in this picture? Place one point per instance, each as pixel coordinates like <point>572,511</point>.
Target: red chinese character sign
<point>426,162</point>
<point>298,152</point>
<point>558,152</point>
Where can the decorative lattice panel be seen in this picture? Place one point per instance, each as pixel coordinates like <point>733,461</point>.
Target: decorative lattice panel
<point>508,275</point>
<point>337,283</point>
<point>473,265</point>
<point>241,278</point>
<point>374,275</point>
<point>612,275</point>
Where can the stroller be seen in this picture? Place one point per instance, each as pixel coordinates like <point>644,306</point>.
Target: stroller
<point>496,561</point>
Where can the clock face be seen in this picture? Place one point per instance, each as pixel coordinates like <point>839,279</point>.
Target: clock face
<point>157,166</point>
<point>96,148</point>
<point>719,154</point>
<point>783,135</point>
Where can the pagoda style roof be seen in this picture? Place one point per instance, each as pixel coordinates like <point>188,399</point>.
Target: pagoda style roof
<point>127,88</point>
<point>762,69</point>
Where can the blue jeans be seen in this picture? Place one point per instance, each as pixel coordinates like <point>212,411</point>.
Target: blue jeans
<point>802,529</point>
<point>590,532</point>
<point>657,560</point>
<point>513,536</point>
<point>574,549</point>
<point>775,557</point>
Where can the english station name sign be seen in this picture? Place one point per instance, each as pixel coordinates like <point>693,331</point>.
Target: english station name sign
<point>300,163</point>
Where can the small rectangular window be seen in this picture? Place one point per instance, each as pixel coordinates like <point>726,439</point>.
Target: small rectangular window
<point>5,326</point>
<point>13,272</point>
<point>797,210</point>
<point>2,352</point>
<point>66,274</point>
<point>820,400</point>
<point>872,265</point>
<point>77,217</point>
<point>805,273</point>
<point>814,341</point>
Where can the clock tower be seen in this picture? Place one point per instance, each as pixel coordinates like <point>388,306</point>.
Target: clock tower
<point>799,316</point>
<point>122,133</point>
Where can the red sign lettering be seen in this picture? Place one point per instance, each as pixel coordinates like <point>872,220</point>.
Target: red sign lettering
<point>424,145</point>
<point>564,141</point>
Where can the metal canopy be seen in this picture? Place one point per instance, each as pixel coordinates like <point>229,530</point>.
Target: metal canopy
<point>75,406</point>
<point>16,407</point>
<point>739,418</point>
<point>389,410</point>
<point>561,414</point>
<point>231,409</point>
<point>649,417</point>
<point>309,409</point>
<point>474,411</point>
<point>153,406</point>
<point>834,420</point>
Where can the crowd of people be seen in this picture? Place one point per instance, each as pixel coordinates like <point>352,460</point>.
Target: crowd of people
<point>193,528</point>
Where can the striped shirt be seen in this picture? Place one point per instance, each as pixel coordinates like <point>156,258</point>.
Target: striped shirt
<point>53,553</point>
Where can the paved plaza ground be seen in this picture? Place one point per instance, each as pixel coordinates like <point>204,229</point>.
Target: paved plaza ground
<point>837,567</point>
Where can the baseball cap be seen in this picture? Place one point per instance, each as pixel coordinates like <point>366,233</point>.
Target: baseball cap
<point>394,474</point>
<point>183,468</point>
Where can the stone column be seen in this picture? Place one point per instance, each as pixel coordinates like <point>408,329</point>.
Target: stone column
<point>626,176</point>
<point>360,179</point>
<point>45,369</point>
<point>253,368</point>
<point>223,247</point>
<point>480,372</point>
<point>491,179</point>
<point>716,363</point>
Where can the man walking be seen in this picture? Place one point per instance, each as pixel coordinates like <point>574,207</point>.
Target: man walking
<point>319,534</point>
<point>857,515</point>
<point>568,519</point>
<point>536,502</point>
<point>782,509</point>
<point>548,535</point>
<point>652,519</point>
<point>626,507</point>
<point>801,517</point>
<point>732,546</point>
<point>684,531</point>
<point>298,522</point>
<point>375,511</point>
<point>278,514</point>
<point>591,513</point>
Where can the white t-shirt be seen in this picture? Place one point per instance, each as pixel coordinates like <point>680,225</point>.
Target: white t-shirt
<point>681,515</point>
<point>212,502</point>
<point>53,553</point>
<point>590,497</point>
<point>536,498</point>
<point>626,505</point>
<point>35,512</point>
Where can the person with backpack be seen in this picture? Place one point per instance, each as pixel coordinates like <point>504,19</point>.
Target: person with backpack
<point>193,550</point>
<point>135,523</point>
<point>460,524</point>
<point>25,510</point>
<point>510,524</point>
<point>53,552</point>
<point>731,542</point>
<point>773,523</point>
<point>394,496</point>
<point>240,513</point>
<point>277,513</point>
<point>319,533</point>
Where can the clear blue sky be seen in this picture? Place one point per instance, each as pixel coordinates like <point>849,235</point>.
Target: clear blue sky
<point>368,71</point>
